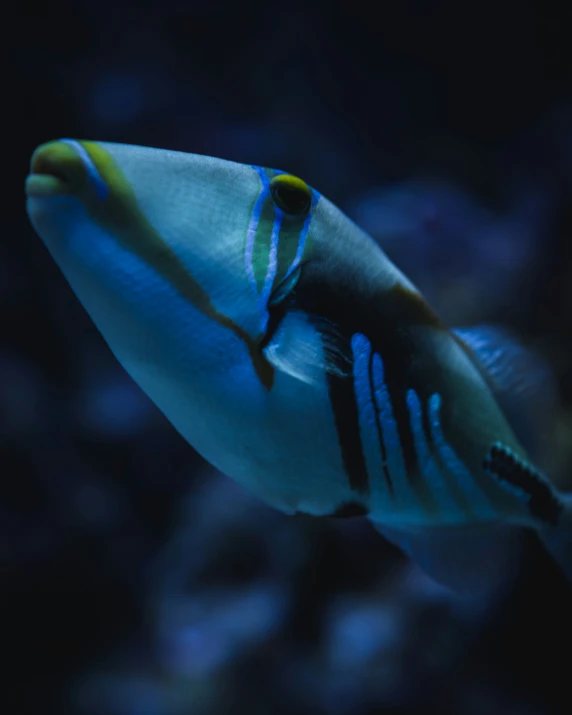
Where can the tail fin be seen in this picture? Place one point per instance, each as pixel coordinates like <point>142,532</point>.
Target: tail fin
<point>558,539</point>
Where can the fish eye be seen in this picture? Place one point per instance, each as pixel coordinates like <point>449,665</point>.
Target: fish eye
<point>291,194</point>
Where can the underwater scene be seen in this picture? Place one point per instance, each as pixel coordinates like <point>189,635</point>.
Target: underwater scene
<point>286,359</point>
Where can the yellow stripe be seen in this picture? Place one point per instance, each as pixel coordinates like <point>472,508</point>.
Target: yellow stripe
<point>119,213</point>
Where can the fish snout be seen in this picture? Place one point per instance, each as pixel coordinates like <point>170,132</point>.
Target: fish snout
<point>56,168</point>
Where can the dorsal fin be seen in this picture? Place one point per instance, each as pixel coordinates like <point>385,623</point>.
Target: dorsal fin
<point>520,381</point>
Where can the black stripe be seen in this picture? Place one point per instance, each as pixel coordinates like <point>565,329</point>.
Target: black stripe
<point>507,468</point>
<point>346,417</point>
<point>276,314</point>
<point>324,291</point>
<point>342,399</point>
<point>381,441</point>
<point>397,388</point>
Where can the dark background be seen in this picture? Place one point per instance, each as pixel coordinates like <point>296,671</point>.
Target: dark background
<point>134,579</point>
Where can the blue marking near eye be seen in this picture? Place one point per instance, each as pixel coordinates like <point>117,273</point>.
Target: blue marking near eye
<point>429,468</point>
<point>101,188</point>
<point>301,244</point>
<point>253,225</point>
<point>272,267</point>
<point>263,297</point>
<point>478,499</point>
<point>303,236</point>
<point>395,460</point>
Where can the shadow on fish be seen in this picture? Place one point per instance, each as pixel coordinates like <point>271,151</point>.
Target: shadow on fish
<point>286,348</point>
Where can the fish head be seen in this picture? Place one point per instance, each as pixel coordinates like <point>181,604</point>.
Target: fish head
<point>218,286</point>
<point>151,241</point>
<point>181,246</point>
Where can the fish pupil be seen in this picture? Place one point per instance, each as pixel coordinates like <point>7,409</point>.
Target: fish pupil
<point>291,199</point>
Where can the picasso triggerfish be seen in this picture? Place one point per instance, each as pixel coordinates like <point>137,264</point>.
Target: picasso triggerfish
<point>283,344</point>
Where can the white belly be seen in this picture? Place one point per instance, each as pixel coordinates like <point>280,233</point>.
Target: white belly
<point>280,444</point>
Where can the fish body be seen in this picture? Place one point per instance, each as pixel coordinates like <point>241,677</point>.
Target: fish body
<point>282,343</point>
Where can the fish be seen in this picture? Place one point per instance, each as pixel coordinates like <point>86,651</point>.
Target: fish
<point>281,342</point>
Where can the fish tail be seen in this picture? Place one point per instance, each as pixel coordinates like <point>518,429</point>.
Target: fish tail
<point>558,539</point>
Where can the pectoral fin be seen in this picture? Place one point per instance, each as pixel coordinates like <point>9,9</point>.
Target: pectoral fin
<point>471,560</point>
<point>307,347</point>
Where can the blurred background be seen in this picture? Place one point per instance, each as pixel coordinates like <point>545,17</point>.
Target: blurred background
<point>135,580</point>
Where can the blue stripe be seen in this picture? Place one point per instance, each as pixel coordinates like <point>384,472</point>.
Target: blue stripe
<point>101,188</point>
<point>507,485</point>
<point>253,225</point>
<point>515,491</point>
<point>303,236</point>
<point>427,465</point>
<point>272,268</point>
<point>301,244</point>
<point>479,501</point>
<point>273,258</point>
<point>404,496</point>
<point>361,350</point>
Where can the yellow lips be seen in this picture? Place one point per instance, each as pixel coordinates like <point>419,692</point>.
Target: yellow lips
<point>56,169</point>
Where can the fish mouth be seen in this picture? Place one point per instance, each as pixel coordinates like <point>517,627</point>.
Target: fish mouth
<point>56,169</point>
